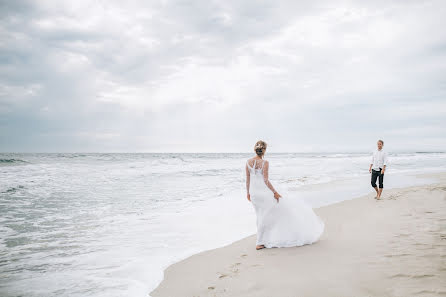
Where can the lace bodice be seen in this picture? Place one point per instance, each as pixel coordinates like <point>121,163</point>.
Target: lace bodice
<point>258,168</point>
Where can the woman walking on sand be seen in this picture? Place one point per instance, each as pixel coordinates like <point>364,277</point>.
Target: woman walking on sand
<point>281,221</point>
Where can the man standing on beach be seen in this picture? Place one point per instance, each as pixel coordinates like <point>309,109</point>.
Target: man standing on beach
<point>377,168</point>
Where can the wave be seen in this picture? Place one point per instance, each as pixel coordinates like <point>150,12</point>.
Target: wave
<point>429,152</point>
<point>13,189</point>
<point>11,161</point>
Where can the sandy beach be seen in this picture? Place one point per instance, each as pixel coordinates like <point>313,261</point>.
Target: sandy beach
<point>392,247</point>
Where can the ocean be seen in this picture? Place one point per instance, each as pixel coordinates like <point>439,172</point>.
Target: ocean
<point>109,224</point>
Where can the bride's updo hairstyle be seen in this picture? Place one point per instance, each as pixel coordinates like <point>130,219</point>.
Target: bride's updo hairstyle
<point>260,148</point>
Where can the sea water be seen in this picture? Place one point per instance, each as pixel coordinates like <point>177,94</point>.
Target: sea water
<point>109,224</point>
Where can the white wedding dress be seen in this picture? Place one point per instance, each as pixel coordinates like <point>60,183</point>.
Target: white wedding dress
<point>289,222</point>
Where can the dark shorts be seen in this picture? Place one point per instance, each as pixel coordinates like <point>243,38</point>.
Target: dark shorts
<point>379,176</point>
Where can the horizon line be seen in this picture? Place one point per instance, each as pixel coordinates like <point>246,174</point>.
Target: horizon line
<point>198,152</point>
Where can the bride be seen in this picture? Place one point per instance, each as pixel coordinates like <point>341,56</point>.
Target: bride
<point>281,222</point>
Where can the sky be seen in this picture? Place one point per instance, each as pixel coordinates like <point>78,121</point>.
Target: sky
<point>216,76</point>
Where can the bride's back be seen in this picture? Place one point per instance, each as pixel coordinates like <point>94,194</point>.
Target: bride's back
<point>255,164</point>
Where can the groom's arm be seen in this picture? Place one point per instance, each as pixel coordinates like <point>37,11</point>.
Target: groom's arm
<point>384,163</point>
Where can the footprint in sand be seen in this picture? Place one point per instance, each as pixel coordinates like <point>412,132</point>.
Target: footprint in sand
<point>402,275</point>
<point>397,255</point>
<point>234,267</point>
<point>402,235</point>
<point>256,265</point>
<point>233,271</point>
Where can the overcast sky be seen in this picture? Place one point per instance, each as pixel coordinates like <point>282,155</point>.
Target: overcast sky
<point>214,76</point>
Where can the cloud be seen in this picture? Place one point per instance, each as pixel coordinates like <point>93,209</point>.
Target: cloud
<point>217,75</point>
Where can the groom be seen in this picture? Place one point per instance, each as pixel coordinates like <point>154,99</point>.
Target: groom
<point>378,167</point>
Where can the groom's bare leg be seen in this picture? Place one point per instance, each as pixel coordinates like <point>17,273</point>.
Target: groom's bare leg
<point>380,190</point>
<point>377,191</point>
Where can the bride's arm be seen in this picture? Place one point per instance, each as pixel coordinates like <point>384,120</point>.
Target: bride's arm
<point>265,177</point>
<point>248,179</point>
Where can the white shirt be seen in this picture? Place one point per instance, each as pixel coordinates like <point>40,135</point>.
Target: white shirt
<point>379,159</point>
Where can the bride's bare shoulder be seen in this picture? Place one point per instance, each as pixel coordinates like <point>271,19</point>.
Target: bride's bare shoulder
<point>250,160</point>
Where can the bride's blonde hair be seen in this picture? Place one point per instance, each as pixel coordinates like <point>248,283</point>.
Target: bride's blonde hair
<point>260,148</point>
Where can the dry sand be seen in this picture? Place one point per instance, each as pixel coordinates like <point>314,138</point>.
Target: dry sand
<point>392,247</point>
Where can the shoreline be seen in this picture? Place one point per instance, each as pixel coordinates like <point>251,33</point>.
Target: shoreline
<point>238,270</point>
